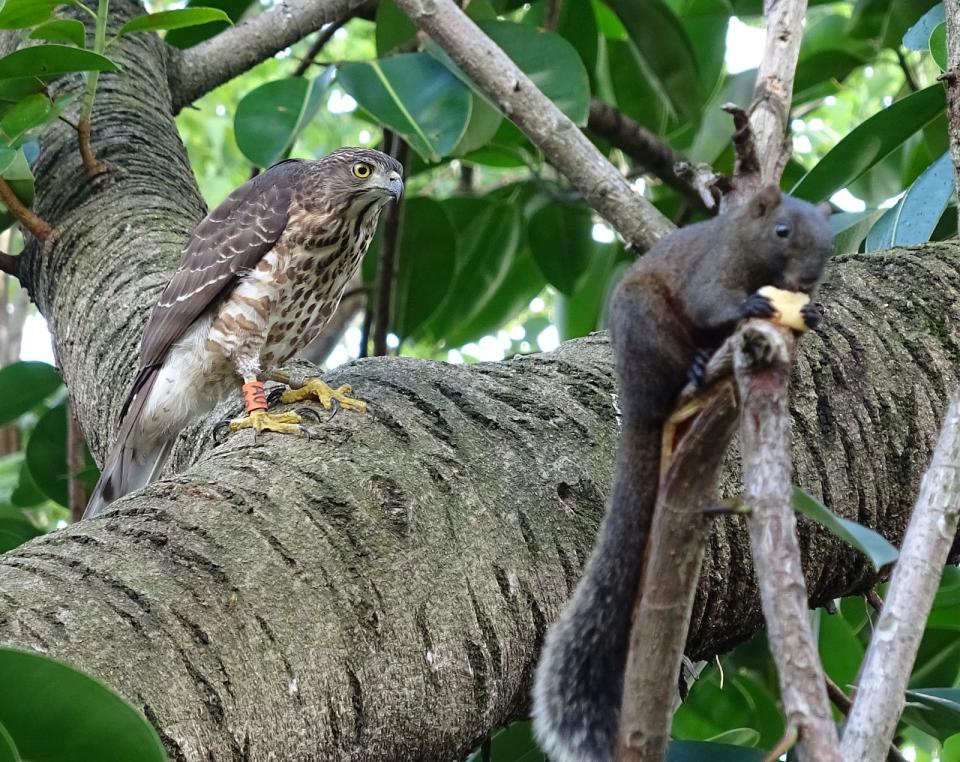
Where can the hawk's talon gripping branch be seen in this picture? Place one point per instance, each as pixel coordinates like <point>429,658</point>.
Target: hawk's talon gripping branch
<point>315,388</point>
<point>286,422</point>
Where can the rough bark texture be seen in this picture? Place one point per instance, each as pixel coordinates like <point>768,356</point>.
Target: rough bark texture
<point>381,590</point>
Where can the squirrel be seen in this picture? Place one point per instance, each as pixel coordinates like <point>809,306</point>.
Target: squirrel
<point>671,310</point>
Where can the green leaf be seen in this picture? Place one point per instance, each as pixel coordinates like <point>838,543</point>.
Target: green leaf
<point>850,228</point>
<point>697,751</point>
<point>551,62</point>
<point>425,264</point>
<point>513,743</point>
<point>414,95</point>
<point>20,14</point>
<point>737,737</point>
<point>7,156</point>
<point>840,649</point>
<point>50,61</point>
<point>47,455</point>
<point>938,46</point>
<point>269,119</point>
<point>26,494</point>
<point>870,142</point>
<point>394,29</point>
<point>58,714</point>
<point>8,749</point>
<point>668,57</point>
<point>872,545</point>
<point>483,126</point>
<point>914,217</point>
<point>562,244</point>
<point>175,19</point>
<point>16,531</point>
<point>14,90</point>
<point>935,711</point>
<point>25,115</point>
<point>70,31</point>
<point>582,311</point>
<point>190,36</point>
<point>23,386</point>
<point>917,37</point>
<point>20,178</point>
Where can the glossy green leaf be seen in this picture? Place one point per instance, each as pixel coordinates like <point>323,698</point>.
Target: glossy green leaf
<point>850,228</point>
<point>23,386</point>
<point>20,14</point>
<point>914,217</point>
<point>58,714</point>
<point>737,737</point>
<point>47,454</point>
<point>175,19</point>
<point>30,112</point>
<point>875,547</point>
<point>951,750</point>
<point>698,751</point>
<point>481,129</point>
<point>15,532</point>
<point>269,119</point>
<point>917,36</point>
<point>70,31</point>
<point>20,178</point>
<point>394,29</point>
<point>426,261</point>
<point>26,493</point>
<point>938,46</point>
<point>513,743</point>
<point>561,243</point>
<point>8,749</point>
<point>50,61</point>
<point>668,57</point>
<point>935,711</point>
<point>190,36</point>
<point>840,650</point>
<point>582,311</point>
<point>14,90</point>
<point>870,142</point>
<point>938,658</point>
<point>551,62</point>
<point>7,156</point>
<point>414,95</point>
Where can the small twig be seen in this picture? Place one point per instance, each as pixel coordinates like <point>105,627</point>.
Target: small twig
<point>365,330</point>
<point>655,156</point>
<point>908,74</point>
<point>37,227</point>
<point>762,368</point>
<point>387,264</point>
<point>893,648</point>
<point>837,697</point>
<point>323,37</point>
<point>465,183</point>
<point>874,599</point>
<point>552,17</point>
<point>91,163</point>
<point>84,129</point>
<point>783,745</point>
<point>76,489</point>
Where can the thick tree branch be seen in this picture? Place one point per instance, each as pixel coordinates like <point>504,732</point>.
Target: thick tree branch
<point>762,367</point>
<point>650,152</point>
<point>561,141</point>
<point>204,67</point>
<point>889,660</point>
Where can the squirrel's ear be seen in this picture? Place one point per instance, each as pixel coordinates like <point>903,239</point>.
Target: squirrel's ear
<point>767,198</point>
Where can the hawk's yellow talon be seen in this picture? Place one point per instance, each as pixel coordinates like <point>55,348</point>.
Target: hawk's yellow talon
<point>287,422</point>
<point>316,389</point>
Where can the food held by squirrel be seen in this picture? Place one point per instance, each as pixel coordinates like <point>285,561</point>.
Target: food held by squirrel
<point>673,308</point>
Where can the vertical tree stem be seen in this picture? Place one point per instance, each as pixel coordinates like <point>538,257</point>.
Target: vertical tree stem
<point>386,268</point>
<point>84,126</point>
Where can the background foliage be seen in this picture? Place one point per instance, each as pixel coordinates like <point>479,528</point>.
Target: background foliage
<point>498,255</point>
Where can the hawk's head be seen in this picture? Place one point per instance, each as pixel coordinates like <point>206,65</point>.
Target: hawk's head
<point>360,176</point>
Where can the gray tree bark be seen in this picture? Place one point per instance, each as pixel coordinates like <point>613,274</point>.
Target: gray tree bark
<point>380,591</point>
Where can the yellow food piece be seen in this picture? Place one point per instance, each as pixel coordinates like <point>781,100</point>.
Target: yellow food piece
<point>788,305</point>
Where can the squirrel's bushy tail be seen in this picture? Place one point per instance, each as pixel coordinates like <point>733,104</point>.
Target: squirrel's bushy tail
<point>579,680</point>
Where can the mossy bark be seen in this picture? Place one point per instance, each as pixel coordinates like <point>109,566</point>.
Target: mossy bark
<point>380,591</point>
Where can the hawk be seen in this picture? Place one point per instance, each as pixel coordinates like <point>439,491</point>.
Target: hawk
<point>259,278</point>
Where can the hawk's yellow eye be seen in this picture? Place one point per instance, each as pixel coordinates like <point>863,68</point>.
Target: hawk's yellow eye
<point>362,170</point>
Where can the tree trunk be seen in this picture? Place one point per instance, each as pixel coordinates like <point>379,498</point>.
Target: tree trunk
<point>380,591</point>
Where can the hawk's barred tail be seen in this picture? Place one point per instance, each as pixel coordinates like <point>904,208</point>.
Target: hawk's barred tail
<point>130,464</point>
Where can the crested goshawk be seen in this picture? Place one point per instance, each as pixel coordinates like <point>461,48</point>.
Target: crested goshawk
<point>259,278</point>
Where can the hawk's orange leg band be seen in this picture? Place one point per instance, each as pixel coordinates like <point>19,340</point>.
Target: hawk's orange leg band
<point>254,396</point>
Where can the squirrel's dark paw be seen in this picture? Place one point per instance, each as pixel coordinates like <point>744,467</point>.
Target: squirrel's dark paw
<point>697,371</point>
<point>811,315</point>
<point>757,305</point>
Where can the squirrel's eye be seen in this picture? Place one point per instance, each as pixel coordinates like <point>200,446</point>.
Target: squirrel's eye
<point>361,170</point>
<point>782,230</point>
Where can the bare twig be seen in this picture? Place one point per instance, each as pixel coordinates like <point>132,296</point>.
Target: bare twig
<point>874,599</point>
<point>886,667</point>
<point>387,264</point>
<point>563,144</point>
<point>552,17</point>
<point>838,697</point>
<point>653,154</point>
<point>325,35</point>
<point>672,569</point>
<point>10,265</point>
<point>198,70</point>
<point>908,75</point>
<point>762,366</point>
<point>91,163</point>
<point>365,331</point>
<point>37,227</point>
<point>76,489</point>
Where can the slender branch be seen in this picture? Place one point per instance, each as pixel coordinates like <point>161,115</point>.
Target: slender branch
<point>908,75</point>
<point>37,227</point>
<point>770,112</point>
<point>387,265</point>
<point>874,599</point>
<point>655,156</point>
<point>552,17</point>
<point>762,368</point>
<point>893,648</point>
<point>76,489</point>
<point>563,144</point>
<point>198,70</point>
<point>783,745</point>
<point>84,128</point>
<point>10,265</point>
<point>325,35</point>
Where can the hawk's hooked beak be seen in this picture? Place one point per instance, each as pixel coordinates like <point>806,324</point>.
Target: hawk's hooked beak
<point>396,186</point>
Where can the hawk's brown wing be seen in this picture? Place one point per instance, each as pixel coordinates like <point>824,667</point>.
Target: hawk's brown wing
<point>227,243</point>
